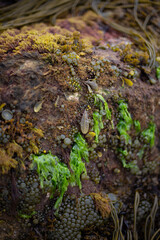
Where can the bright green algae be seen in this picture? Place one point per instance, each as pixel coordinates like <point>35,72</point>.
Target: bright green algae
<point>56,175</point>
<point>124,125</point>
<point>79,151</point>
<point>53,174</point>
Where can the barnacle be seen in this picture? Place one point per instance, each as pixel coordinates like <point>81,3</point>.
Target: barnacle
<point>77,214</point>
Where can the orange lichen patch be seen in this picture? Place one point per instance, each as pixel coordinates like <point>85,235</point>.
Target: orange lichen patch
<point>13,148</point>
<point>102,204</point>
<point>6,161</point>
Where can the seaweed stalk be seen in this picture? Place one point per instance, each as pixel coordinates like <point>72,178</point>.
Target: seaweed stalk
<point>149,225</point>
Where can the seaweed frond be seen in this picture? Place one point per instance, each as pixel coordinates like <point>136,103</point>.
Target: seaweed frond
<point>79,151</point>
<point>52,173</point>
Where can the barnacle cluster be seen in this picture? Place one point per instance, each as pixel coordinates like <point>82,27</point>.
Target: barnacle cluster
<point>29,193</point>
<point>93,173</point>
<point>74,216</point>
<point>72,132</point>
<point>97,67</point>
<point>71,58</point>
<point>74,83</point>
<point>63,140</point>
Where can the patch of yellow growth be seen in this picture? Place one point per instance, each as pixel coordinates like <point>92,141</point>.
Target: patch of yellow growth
<point>45,43</point>
<point>90,135</point>
<point>38,131</point>
<point>99,154</point>
<point>6,161</point>
<point>2,105</point>
<point>42,40</point>
<point>127,81</point>
<point>34,148</point>
<point>13,148</point>
<point>102,204</point>
<point>134,57</point>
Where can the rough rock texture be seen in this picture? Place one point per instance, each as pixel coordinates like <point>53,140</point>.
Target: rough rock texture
<point>49,76</point>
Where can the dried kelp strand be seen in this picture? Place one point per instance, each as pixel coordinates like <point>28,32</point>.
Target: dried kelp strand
<point>84,123</point>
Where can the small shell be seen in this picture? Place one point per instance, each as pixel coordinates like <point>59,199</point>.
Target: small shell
<point>89,89</point>
<point>56,102</point>
<point>7,115</point>
<point>38,106</point>
<point>128,82</point>
<point>93,85</point>
<point>84,123</point>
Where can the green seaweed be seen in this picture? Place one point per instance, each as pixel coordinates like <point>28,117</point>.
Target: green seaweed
<point>79,151</point>
<point>26,216</point>
<point>124,125</point>
<point>56,175</point>
<point>52,173</point>
<point>98,124</point>
<point>149,137</point>
<point>108,112</point>
<point>123,159</point>
<point>125,121</point>
<point>99,101</point>
<point>137,125</point>
<point>158,72</point>
<point>149,134</point>
<point>124,114</point>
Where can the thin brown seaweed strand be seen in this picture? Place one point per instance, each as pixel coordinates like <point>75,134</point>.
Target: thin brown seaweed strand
<point>117,234</point>
<point>153,237</point>
<point>149,224</point>
<point>136,204</point>
<point>151,47</point>
<point>129,235</point>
